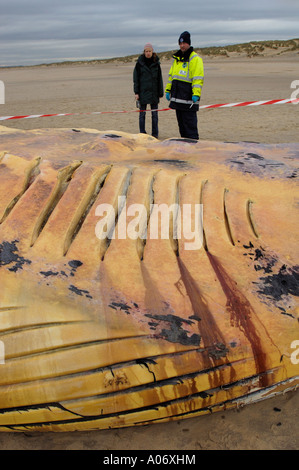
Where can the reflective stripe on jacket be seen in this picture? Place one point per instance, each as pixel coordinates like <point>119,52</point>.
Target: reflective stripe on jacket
<point>186,77</point>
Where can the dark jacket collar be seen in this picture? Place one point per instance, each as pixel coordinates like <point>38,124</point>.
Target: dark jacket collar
<point>142,60</point>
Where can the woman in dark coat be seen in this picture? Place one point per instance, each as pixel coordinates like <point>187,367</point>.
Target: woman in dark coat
<point>148,86</point>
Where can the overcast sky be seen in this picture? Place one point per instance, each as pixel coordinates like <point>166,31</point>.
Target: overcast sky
<point>44,31</point>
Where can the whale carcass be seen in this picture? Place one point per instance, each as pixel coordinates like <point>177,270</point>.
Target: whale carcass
<point>107,321</point>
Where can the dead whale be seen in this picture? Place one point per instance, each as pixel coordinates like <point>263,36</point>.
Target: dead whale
<point>107,321</point>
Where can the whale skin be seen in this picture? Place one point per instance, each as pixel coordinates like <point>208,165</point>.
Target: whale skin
<point>109,332</point>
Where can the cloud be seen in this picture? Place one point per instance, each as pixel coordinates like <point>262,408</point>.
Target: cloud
<point>38,31</point>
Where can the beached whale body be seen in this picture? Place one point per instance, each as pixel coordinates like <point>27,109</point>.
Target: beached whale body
<point>99,332</point>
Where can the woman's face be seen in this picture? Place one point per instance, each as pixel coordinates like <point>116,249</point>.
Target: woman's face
<point>148,53</point>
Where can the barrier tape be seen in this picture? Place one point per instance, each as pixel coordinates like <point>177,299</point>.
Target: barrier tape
<point>206,106</point>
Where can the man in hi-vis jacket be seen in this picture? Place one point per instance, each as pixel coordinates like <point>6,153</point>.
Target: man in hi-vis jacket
<point>184,86</point>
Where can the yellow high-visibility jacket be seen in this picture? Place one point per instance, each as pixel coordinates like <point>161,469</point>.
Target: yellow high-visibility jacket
<point>186,77</point>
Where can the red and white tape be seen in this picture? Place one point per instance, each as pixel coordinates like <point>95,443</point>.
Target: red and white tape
<point>206,106</point>
<point>250,103</point>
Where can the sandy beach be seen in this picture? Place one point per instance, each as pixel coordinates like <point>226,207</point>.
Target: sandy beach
<point>88,88</point>
<point>109,87</point>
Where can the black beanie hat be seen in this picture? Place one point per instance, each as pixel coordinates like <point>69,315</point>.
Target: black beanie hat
<point>185,37</point>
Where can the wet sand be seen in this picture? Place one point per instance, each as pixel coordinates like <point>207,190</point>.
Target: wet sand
<point>270,424</point>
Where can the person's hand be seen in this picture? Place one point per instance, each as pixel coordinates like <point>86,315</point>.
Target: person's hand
<point>195,98</point>
<point>167,95</point>
<point>136,97</point>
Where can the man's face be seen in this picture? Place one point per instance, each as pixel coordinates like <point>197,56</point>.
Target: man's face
<point>184,46</point>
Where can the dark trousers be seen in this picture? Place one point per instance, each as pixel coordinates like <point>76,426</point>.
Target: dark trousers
<point>187,121</point>
<point>154,114</point>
